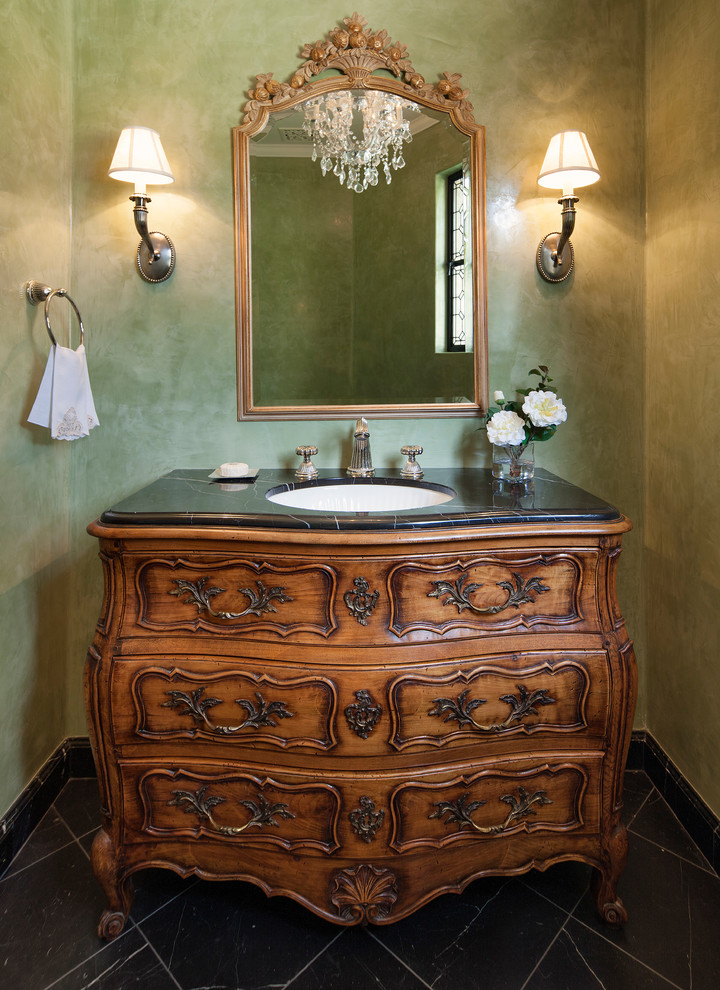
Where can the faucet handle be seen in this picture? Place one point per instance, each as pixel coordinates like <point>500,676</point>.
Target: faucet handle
<point>412,469</point>
<point>307,470</point>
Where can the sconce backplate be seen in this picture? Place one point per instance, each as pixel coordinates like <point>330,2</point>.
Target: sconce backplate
<point>547,267</point>
<point>157,267</point>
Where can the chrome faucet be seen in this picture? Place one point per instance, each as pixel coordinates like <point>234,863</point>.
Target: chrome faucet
<point>361,462</point>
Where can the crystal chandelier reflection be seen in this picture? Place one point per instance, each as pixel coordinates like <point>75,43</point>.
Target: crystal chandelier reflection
<point>357,134</point>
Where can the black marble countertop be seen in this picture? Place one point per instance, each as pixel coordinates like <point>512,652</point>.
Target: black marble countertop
<point>190,498</point>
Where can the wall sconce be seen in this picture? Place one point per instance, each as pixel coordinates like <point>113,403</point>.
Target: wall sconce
<point>569,163</point>
<point>139,158</point>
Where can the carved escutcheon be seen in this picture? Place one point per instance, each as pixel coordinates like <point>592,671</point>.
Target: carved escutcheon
<point>366,820</point>
<point>363,715</point>
<point>362,601</point>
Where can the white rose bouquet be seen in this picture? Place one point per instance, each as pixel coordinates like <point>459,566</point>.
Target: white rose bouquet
<point>517,423</point>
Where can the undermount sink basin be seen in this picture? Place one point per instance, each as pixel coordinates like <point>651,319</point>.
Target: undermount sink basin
<point>361,496</point>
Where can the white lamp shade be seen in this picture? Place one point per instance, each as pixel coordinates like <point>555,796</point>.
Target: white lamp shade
<point>569,162</point>
<point>139,158</point>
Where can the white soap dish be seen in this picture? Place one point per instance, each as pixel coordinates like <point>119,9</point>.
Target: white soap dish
<point>248,473</point>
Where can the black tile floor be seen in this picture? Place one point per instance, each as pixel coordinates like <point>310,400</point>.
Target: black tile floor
<point>535,932</point>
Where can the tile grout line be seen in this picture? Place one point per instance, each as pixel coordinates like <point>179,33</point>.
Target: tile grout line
<point>654,791</point>
<point>642,805</point>
<point>683,859</point>
<point>558,933</point>
<point>76,838</point>
<point>157,956</point>
<point>132,924</point>
<point>625,952</point>
<point>311,961</point>
<point>546,897</point>
<point>401,961</point>
<point>709,868</point>
<point>160,907</point>
<point>40,859</point>
<point>114,966</point>
<point>586,963</point>
<point>571,914</point>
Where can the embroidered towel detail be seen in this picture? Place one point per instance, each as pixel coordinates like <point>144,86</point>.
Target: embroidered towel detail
<point>70,426</point>
<point>64,401</point>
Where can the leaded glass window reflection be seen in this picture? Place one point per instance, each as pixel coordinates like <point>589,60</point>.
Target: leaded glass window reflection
<point>456,239</point>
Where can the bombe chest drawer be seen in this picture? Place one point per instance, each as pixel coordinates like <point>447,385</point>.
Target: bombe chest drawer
<point>360,720</point>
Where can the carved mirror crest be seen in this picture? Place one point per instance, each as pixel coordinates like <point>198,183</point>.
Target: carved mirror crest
<point>360,238</point>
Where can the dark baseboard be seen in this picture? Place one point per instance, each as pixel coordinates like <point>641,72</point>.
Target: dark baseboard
<point>73,758</point>
<point>82,763</point>
<point>691,811</point>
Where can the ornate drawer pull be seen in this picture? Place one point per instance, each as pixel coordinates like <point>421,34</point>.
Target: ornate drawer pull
<point>196,706</point>
<point>363,715</point>
<point>195,802</point>
<point>460,710</point>
<point>459,595</point>
<point>458,813</point>
<point>362,601</point>
<point>261,601</point>
<point>365,820</point>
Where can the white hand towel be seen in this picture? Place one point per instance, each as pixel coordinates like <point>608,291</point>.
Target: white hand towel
<point>64,401</point>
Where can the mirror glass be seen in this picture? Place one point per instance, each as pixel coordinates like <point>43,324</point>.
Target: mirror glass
<point>360,302</point>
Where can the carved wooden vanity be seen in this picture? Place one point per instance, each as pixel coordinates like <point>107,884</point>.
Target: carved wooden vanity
<point>365,717</point>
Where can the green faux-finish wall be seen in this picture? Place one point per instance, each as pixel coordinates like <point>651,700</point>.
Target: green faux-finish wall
<point>683,388</point>
<point>35,174</point>
<point>294,360</point>
<point>162,358</point>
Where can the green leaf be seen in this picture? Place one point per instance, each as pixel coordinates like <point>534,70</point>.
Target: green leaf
<point>543,432</point>
<point>534,371</point>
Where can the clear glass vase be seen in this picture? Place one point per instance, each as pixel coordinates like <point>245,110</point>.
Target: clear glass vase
<point>507,496</point>
<point>514,465</point>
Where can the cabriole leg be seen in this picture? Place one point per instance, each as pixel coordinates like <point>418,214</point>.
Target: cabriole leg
<point>119,891</point>
<point>605,879</point>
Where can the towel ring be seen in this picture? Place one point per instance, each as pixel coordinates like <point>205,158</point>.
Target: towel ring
<point>37,291</point>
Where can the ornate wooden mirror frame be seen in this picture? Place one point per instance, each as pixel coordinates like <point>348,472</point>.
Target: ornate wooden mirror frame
<point>358,53</point>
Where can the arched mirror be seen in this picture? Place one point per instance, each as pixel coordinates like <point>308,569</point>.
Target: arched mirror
<point>360,239</point>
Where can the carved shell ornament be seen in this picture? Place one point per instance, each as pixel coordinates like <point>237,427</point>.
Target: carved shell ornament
<point>356,50</point>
